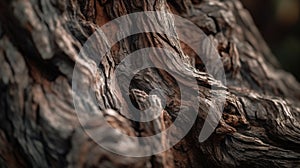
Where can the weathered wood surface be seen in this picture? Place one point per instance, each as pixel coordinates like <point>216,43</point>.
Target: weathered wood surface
<point>39,42</point>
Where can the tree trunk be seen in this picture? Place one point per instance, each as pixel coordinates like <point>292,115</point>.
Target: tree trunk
<point>39,46</point>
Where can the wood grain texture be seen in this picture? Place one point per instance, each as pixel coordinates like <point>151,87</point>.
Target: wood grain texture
<point>39,42</point>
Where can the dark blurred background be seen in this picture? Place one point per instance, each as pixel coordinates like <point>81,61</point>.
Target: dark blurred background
<point>279,24</point>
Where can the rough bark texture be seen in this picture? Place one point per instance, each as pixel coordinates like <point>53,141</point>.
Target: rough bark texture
<point>39,41</point>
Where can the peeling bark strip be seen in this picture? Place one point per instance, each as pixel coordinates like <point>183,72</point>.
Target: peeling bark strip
<point>39,42</point>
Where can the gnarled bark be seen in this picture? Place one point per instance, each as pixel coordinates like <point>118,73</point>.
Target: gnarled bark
<point>39,44</point>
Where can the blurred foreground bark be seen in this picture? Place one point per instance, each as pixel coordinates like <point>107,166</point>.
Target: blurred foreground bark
<point>39,41</point>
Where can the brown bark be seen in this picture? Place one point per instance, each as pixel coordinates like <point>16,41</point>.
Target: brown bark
<point>39,42</point>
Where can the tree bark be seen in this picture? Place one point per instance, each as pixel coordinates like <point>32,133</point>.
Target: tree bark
<point>39,44</point>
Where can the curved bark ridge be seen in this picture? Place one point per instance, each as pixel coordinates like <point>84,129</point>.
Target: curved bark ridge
<point>39,45</point>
